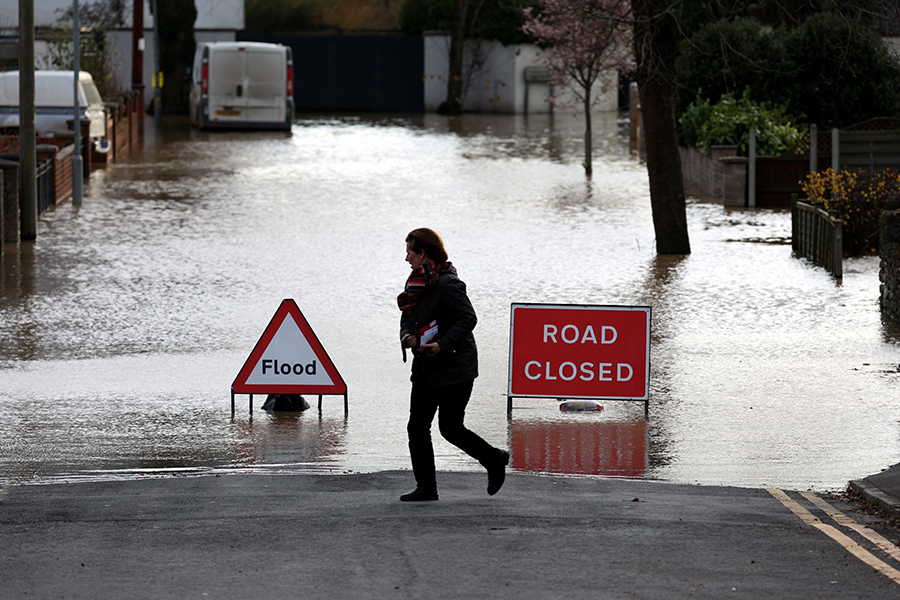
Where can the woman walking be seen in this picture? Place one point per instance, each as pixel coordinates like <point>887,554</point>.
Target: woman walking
<point>436,322</point>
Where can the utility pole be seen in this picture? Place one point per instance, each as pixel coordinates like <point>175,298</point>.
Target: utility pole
<point>157,74</point>
<point>27,156</point>
<point>77,164</point>
<point>137,56</point>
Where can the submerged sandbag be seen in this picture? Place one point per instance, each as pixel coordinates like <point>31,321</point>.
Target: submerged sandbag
<point>580,406</point>
<point>285,402</point>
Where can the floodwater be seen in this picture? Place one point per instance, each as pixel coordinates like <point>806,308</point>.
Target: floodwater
<point>125,324</point>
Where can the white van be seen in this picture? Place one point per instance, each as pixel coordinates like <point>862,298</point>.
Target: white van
<point>54,100</point>
<point>242,85</point>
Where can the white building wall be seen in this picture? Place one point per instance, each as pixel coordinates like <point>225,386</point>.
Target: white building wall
<point>538,94</point>
<point>490,86</point>
<point>211,14</point>
<point>437,65</point>
<point>219,14</point>
<point>46,12</point>
<point>497,82</point>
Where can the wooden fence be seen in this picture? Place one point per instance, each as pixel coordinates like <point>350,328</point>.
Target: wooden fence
<point>869,146</point>
<point>869,150</point>
<point>770,181</point>
<point>817,234</point>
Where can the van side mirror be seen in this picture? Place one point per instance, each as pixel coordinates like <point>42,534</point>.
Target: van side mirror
<point>240,90</point>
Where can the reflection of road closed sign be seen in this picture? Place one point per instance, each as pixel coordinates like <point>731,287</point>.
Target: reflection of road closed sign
<point>576,351</point>
<point>288,359</point>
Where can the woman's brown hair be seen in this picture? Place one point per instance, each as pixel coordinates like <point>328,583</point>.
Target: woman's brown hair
<point>427,240</point>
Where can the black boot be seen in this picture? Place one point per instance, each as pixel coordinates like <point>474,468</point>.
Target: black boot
<point>497,473</point>
<point>420,495</point>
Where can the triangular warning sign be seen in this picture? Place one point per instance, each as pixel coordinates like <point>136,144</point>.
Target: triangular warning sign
<point>288,359</point>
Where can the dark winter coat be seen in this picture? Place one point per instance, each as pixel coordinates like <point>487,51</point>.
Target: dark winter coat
<point>445,301</point>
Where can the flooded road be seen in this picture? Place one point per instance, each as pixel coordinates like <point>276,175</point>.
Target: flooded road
<point>124,325</point>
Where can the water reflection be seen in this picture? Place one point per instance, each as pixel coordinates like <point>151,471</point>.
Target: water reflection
<point>17,280</point>
<point>891,329</point>
<point>584,445</point>
<point>297,439</point>
<point>122,327</point>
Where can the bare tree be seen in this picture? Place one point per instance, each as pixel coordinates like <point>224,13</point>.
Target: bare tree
<point>585,40</point>
<point>453,104</point>
<point>656,34</point>
<point>176,46</point>
<point>96,19</point>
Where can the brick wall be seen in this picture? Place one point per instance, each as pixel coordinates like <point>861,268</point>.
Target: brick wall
<point>721,177</point>
<point>63,173</point>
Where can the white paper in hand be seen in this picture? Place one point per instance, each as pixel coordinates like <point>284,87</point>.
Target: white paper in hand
<point>428,333</point>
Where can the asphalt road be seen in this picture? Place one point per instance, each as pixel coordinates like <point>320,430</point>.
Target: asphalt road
<point>347,536</point>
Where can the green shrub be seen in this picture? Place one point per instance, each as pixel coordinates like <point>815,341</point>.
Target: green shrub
<point>839,72</point>
<point>417,16</point>
<point>859,197</point>
<point>728,56</point>
<point>692,120</point>
<point>275,16</point>
<point>730,121</point>
<point>829,70</point>
<point>499,20</point>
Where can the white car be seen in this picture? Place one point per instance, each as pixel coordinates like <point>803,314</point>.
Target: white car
<point>54,102</point>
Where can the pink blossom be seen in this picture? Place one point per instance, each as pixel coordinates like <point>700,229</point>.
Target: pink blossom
<point>583,40</point>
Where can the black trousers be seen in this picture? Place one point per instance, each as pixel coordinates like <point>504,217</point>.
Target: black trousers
<point>424,401</point>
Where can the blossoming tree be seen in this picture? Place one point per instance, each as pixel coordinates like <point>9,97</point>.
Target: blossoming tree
<point>585,41</point>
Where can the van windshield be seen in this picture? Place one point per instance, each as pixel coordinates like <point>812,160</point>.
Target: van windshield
<point>91,95</point>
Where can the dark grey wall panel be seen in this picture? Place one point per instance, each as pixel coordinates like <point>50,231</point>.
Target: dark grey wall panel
<point>354,72</point>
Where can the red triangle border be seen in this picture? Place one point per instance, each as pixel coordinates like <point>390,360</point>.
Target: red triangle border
<point>288,308</point>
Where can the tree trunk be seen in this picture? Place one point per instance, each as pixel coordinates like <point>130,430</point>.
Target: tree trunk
<point>176,52</point>
<point>656,44</point>
<point>453,104</point>
<point>588,135</point>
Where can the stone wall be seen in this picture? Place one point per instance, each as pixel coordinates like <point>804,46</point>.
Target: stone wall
<point>721,176</point>
<point>9,228</point>
<point>63,173</point>
<point>890,263</point>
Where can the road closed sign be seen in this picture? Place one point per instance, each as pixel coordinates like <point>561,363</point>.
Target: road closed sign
<point>578,351</point>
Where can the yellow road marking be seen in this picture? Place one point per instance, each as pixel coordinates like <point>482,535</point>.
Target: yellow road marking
<point>841,538</point>
<point>843,519</point>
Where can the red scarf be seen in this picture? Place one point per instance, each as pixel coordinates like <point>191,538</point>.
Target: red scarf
<point>418,280</point>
